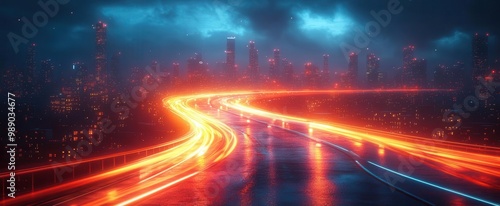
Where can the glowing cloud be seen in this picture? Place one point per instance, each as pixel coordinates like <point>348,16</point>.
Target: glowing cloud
<point>335,25</point>
<point>457,37</point>
<point>202,19</point>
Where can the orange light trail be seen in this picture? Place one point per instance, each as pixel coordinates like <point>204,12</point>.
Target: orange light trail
<point>457,159</point>
<point>212,140</point>
<point>208,138</point>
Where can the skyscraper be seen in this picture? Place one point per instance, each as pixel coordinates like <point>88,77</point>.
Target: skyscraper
<point>253,61</point>
<point>372,69</point>
<point>326,66</point>
<point>273,71</point>
<point>197,70</point>
<point>450,77</point>
<point>47,70</point>
<point>230,58</point>
<point>311,75</point>
<point>277,59</point>
<point>100,56</point>
<point>479,55</point>
<point>352,70</point>
<point>325,71</point>
<point>418,73</point>
<point>115,66</point>
<point>288,72</point>
<point>30,64</point>
<point>408,71</point>
<point>81,76</point>
<point>408,56</point>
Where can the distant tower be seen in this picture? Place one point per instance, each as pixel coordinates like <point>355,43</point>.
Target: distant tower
<point>100,56</point>
<point>196,69</point>
<point>408,65</point>
<point>352,70</point>
<point>372,69</point>
<point>418,73</point>
<point>253,61</point>
<point>273,71</point>
<point>408,56</point>
<point>115,65</point>
<point>325,78</point>
<point>311,75</point>
<point>326,66</point>
<point>277,60</point>
<point>230,57</point>
<point>287,72</point>
<point>30,63</point>
<point>479,55</point>
<point>47,69</point>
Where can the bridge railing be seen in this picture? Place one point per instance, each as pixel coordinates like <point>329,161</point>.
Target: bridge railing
<point>30,180</point>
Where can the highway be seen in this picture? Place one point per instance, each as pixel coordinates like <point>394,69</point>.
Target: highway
<point>238,154</point>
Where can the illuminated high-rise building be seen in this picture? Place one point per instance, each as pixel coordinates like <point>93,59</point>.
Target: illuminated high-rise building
<point>311,75</point>
<point>253,61</point>
<point>196,69</point>
<point>100,56</point>
<point>288,72</point>
<point>325,71</point>
<point>31,64</point>
<point>408,56</point>
<point>418,73</point>
<point>326,66</point>
<point>457,74</point>
<point>277,59</point>
<point>479,55</point>
<point>352,70</point>
<point>408,72</point>
<point>450,77</point>
<point>115,65</point>
<point>66,101</point>
<point>81,76</point>
<point>47,71</point>
<point>230,57</point>
<point>372,69</point>
<point>273,71</point>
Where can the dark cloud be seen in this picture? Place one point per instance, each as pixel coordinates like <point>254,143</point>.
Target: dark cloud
<point>268,18</point>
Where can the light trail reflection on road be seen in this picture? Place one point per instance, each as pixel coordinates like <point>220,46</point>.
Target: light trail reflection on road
<point>456,161</point>
<point>209,141</point>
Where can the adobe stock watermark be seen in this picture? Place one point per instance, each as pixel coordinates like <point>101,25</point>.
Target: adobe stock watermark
<point>483,91</point>
<point>471,103</point>
<point>362,39</point>
<point>122,107</point>
<point>49,8</point>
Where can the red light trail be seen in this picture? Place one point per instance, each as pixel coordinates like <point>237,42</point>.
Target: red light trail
<point>211,140</point>
<point>449,157</point>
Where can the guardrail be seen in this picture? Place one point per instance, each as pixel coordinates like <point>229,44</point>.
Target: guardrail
<point>30,180</point>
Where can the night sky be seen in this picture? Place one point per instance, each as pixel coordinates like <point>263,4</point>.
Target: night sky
<point>304,30</point>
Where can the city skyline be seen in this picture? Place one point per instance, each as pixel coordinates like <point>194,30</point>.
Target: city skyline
<point>412,72</point>
<point>440,49</point>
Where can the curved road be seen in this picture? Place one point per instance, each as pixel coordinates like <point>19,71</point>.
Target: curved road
<point>235,154</point>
